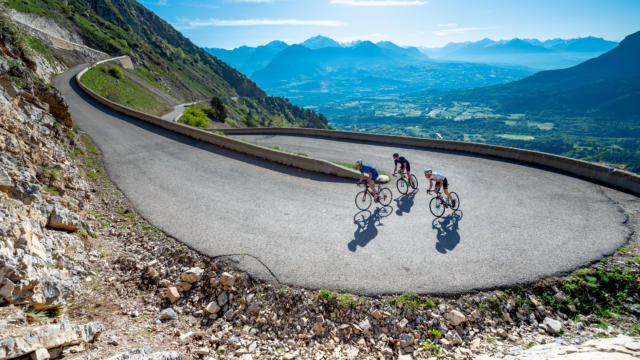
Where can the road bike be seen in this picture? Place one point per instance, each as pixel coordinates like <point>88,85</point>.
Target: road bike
<point>403,184</point>
<point>439,204</point>
<point>365,197</point>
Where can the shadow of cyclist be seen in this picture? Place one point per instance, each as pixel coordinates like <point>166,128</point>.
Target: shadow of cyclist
<point>405,203</point>
<point>367,223</point>
<point>447,227</point>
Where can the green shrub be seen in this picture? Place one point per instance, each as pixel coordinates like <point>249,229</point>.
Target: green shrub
<point>231,122</point>
<point>195,117</point>
<point>116,72</point>
<point>219,110</point>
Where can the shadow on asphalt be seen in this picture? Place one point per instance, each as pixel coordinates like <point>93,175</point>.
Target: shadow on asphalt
<point>447,227</point>
<point>204,146</point>
<point>367,223</point>
<point>405,202</point>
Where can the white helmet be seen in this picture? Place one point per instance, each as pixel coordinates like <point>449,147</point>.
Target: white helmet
<point>427,172</point>
<point>358,162</point>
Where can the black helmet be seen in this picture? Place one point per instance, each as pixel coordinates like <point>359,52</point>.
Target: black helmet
<point>395,155</point>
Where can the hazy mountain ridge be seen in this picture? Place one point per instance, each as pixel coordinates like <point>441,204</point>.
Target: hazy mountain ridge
<point>548,54</point>
<point>312,75</point>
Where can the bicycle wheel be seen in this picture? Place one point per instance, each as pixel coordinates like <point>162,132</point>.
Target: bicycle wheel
<point>363,200</point>
<point>385,196</point>
<point>456,199</point>
<point>436,206</point>
<point>402,186</point>
<point>414,182</point>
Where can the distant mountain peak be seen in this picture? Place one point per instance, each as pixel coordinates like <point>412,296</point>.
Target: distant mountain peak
<point>319,42</point>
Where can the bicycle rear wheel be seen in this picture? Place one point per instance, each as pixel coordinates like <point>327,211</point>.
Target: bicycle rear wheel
<point>436,206</point>
<point>385,196</point>
<point>402,186</point>
<point>456,200</point>
<point>414,182</point>
<point>363,200</point>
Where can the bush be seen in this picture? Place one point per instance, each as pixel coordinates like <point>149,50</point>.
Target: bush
<point>249,121</point>
<point>116,72</point>
<point>231,122</point>
<point>195,117</point>
<point>219,110</point>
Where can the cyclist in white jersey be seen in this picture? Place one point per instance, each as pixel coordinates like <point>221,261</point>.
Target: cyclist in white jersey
<point>441,181</point>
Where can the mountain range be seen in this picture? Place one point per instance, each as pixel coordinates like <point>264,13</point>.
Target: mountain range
<point>549,54</point>
<point>321,70</point>
<point>607,86</point>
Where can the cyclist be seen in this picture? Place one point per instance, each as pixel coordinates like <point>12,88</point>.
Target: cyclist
<point>441,181</point>
<point>404,165</point>
<point>373,176</point>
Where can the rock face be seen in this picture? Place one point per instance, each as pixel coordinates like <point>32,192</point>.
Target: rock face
<point>39,267</point>
<point>48,337</point>
<point>144,353</point>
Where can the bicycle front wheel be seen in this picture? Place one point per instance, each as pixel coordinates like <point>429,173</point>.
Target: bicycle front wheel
<point>437,207</point>
<point>414,182</point>
<point>385,196</point>
<point>456,200</point>
<point>402,186</point>
<point>363,200</point>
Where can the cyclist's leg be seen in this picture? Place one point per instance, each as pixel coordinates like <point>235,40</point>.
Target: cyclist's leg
<point>445,187</point>
<point>372,185</point>
<point>407,169</point>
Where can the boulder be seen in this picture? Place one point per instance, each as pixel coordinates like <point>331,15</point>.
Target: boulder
<point>455,317</point>
<point>172,294</point>
<point>48,337</point>
<point>63,219</point>
<point>552,326</point>
<point>168,314</point>
<point>192,275</point>
<point>227,280</point>
<point>212,308</point>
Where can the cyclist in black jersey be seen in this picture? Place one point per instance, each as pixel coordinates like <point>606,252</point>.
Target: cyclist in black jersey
<point>404,165</point>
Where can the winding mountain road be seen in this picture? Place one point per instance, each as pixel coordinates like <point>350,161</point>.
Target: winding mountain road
<point>517,223</point>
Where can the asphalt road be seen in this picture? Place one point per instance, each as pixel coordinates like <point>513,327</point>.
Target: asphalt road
<point>517,223</point>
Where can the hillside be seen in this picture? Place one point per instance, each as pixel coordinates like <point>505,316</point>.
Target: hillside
<point>607,87</point>
<point>165,58</point>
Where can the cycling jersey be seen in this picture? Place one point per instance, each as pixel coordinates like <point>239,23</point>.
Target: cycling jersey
<point>436,176</point>
<point>370,170</point>
<point>404,163</point>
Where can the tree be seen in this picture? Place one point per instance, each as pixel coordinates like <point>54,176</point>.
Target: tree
<point>219,110</point>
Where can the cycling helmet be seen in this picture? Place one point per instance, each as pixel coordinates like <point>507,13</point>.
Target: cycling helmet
<point>395,155</point>
<point>358,162</point>
<point>426,172</point>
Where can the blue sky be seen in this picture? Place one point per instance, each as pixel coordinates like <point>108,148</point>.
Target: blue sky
<point>433,23</point>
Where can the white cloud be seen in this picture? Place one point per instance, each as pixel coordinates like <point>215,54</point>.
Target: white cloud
<point>157,2</point>
<point>447,25</point>
<point>378,2</point>
<point>457,30</point>
<point>193,24</point>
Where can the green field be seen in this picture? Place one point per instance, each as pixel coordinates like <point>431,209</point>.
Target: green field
<point>516,137</point>
<point>123,91</point>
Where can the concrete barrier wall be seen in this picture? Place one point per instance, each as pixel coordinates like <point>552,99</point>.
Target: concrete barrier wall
<point>619,179</point>
<point>281,157</point>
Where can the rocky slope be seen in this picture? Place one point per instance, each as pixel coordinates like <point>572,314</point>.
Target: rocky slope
<point>82,276</point>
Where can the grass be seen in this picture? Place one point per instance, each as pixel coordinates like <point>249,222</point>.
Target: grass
<point>52,190</point>
<point>113,85</point>
<point>516,137</point>
<point>413,302</point>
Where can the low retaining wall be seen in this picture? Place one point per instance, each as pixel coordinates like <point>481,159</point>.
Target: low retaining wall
<point>281,157</point>
<point>619,179</point>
